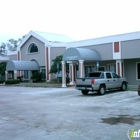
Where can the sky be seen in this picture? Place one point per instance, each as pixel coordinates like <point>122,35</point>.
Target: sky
<point>78,19</point>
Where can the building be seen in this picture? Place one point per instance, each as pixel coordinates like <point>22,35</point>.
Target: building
<point>35,53</point>
<point>119,53</point>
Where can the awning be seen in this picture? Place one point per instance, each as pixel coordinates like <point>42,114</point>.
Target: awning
<point>81,54</point>
<point>22,65</point>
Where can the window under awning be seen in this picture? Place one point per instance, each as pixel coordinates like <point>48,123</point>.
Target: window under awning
<point>72,54</point>
<point>21,65</point>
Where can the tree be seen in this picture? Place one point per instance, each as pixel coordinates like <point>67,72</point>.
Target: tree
<point>13,44</point>
<point>55,69</point>
<point>3,51</point>
<point>37,77</point>
<point>2,69</point>
<point>56,61</point>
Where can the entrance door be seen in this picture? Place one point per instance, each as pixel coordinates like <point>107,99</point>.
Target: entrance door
<point>112,67</point>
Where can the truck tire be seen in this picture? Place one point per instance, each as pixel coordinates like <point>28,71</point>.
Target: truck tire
<point>124,86</point>
<point>84,92</point>
<point>102,90</point>
<point>139,93</point>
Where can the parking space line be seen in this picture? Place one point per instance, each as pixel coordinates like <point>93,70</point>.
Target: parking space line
<point>125,100</point>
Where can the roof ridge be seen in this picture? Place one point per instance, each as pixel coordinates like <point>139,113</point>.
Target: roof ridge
<point>49,33</point>
<point>115,35</point>
<point>54,36</point>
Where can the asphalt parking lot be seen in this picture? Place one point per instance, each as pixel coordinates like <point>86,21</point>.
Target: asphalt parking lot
<point>65,114</point>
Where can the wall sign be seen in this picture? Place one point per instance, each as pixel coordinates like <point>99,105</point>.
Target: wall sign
<point>71,57</point>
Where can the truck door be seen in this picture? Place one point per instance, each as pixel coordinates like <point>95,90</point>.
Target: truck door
<point>116,79</point>
<point>109,80</point>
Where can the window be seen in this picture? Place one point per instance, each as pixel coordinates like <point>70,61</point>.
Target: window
<point>32,48</point>
<point>26,75</point>
<point>89,69</point>
<point>138,70</point>
<point>43,71</point>
<point>108,75</point>
<point>101,68</point>
<point>115,75</point>
<point>11,74</point>
<point>95,74</point>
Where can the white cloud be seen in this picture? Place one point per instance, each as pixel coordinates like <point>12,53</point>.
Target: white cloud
<point>79,19</point>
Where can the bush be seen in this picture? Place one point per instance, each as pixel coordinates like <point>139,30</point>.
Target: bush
<point>20,78</point>
<point>12,81</point>
<point>1,81</point>
<point>67,79</point>
<point>37,77</point>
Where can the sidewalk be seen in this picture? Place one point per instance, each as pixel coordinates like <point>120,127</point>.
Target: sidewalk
<point>2,84</point>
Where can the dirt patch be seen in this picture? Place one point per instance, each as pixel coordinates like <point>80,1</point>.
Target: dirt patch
<point>125,119</point>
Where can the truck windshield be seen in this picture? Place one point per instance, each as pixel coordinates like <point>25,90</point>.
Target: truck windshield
<point>95,74</point>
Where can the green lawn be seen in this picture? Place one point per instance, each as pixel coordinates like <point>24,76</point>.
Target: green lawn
<point>132,87</point>
<point>43,84</point>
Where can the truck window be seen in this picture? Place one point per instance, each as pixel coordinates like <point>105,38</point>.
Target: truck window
<point>94,74</point>
<point>108,75</point>
<point>115,75</point>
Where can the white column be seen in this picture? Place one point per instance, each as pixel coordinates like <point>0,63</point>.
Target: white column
<point>72,74</point>
<point>6,75</point>
<point>81,69</point>
<point>63,74</point>
<point>15,74</point>
<point>119,68</point>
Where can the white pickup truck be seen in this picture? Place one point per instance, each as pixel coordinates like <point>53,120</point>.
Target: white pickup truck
<point>100,81</point>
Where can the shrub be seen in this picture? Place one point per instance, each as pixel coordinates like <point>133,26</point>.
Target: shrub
<point>20,78</point>
<point>67,79</point>
<point>37,77</point>
<point>12,81</point>
<point>1,81</point>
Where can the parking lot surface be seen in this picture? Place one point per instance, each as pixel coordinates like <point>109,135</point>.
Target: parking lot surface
<point>65,114</point>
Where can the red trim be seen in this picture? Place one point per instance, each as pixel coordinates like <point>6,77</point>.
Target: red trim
<point>116,46</point>
<point>47,64</point>
<point>18,73</point>
<point>118,68</point>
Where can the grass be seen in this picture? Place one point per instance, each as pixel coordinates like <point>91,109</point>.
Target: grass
<point>58,85</point>
<point>43,84</point>
<point>132,87</point>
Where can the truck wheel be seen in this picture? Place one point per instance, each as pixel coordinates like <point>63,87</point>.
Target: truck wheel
<point>84,92</point>
<point>101,90</point>
<point>139,93</point>
<point>124,86</point>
